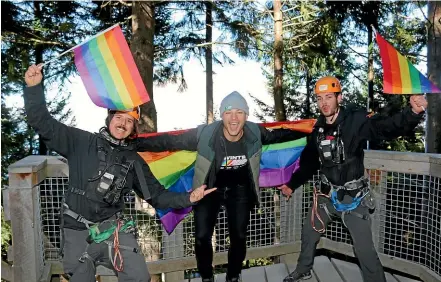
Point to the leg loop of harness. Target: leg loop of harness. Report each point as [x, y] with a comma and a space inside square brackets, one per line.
[362, 216]
[315, 212]
[122, 225]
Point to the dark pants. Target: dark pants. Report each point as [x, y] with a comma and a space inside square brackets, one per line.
[360, 230]
[134, 266]
[237, 202]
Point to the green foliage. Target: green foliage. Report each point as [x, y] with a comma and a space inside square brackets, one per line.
[6, 236]
[33, 32]
[327, 38]
[258, 262]
[180, 33]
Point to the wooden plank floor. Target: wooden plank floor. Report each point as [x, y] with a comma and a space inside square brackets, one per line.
[324, 270]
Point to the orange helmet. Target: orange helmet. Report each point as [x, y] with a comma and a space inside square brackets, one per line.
[134, 112]
[327, 84]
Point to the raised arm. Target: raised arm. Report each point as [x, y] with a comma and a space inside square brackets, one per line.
[57, 136]
[168, 142]
[385, 128]
[279, 135]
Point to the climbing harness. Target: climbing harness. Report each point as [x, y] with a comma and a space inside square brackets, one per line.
[118, 225]
[97, 236]
[360, 184]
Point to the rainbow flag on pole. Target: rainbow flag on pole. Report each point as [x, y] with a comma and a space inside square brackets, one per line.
[108, 71]
[175, 170]
[399, 75]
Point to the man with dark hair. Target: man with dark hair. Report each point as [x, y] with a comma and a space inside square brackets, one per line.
[103, 167]
[335, 148]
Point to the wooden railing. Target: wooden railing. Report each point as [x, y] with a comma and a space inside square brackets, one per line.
[35, 179]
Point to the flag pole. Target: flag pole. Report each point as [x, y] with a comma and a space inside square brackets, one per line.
[368, 98]
[67, 51]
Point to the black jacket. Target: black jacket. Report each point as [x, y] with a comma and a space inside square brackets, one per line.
[356, 128]
[189, 141]
[80, 149]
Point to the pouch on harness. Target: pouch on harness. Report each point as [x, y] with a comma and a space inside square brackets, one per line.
[360, 184]
[363, 196]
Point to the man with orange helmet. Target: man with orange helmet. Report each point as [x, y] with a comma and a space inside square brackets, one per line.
[335, 149]
[103, 168]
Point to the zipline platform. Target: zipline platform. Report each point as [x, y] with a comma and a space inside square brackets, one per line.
[325, 270]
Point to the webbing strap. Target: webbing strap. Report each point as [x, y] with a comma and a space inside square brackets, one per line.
[110, 244]
[76, 216]
[142, 182]
[99, 236]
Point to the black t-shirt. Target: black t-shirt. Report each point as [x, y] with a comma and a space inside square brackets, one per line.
[233, 170]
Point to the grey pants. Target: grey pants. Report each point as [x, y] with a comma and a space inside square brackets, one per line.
[135, 268]
[360, 230]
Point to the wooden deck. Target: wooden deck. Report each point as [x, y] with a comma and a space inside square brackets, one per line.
[325, 270]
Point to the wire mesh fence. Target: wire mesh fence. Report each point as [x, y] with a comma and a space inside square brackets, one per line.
[263, 229]
[409, 220]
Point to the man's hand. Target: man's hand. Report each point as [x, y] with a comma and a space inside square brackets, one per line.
[418, 103]
[33, 75]
[286, 191]
[199, 193]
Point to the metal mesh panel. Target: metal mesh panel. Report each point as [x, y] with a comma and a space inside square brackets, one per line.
[154, 242]
[51, 195]
[410, 217]
[409, 213]
[433, 238]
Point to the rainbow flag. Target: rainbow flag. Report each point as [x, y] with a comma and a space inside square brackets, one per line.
[108, 71]
[399, 75]
[175, 170]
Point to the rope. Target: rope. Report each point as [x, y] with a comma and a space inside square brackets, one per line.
[117, 254]
[315, 213]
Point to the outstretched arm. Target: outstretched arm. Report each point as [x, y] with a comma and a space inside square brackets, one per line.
[168, 142]
[57, 136]
[279, 135]
[161, 198]
[385, 128]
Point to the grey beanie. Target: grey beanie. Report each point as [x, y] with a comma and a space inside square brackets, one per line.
[233, 101]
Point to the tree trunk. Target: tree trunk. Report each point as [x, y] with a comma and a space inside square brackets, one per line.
[143, 28]
[308, 113]
[433, 121]
[42, 148]
[370, 103]
[279, 106]
[209, 60]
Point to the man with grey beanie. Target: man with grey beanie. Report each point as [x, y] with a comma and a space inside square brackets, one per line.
[228, 158]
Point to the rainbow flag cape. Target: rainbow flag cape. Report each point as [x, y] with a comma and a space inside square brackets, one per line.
[399, 75]
[108, 71]
[175, 170]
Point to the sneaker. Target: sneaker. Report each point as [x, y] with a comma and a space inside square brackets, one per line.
[296, 276]
[211, 279]
[233, 279]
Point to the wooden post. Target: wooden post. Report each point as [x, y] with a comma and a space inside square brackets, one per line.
[378, 181]
[291, 223]
[24, 177]
[174, 248]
